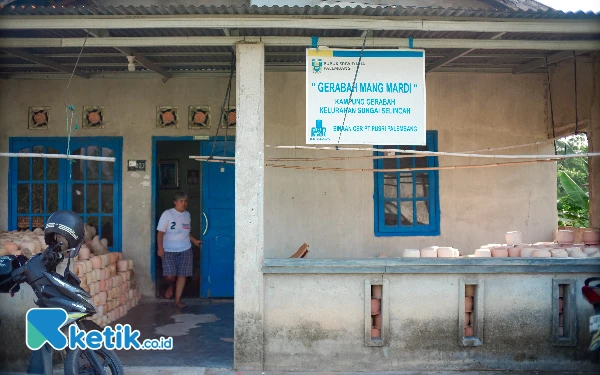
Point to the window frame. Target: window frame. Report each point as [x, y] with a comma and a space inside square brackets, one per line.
[433, 229]
[65, 182]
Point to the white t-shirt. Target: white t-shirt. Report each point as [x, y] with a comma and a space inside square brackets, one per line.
[176, 226]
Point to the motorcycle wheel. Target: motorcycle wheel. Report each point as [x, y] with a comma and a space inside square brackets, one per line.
[77, 363]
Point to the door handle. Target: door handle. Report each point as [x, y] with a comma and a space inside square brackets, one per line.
[206, 226]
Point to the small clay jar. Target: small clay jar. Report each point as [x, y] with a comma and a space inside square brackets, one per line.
[445, 252]
[428, 253]
[122, 265]
[499, 253]
[469, 332]
[565, 237]
[514, 252]
[468, 304]
[375, 333]
[591, 237]
[411, 253]
[375, 289]
[514, 238]
[84, 253]
[467, 319]
[377, 319]
[526, 252]
[469, 290]
[375, 306]
[483, 253]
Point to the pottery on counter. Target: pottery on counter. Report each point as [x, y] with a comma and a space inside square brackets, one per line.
[514, 238]
[469, 290]
[469, 332]
[499, 252]
[468, 304]
[375, 291]
[445, 252]
[411, 253]
[591, 237]
[565, 236]
[482, 253]
[541, 253]
[429, 252]
[559, 253]
[375, 306]
[514, 252]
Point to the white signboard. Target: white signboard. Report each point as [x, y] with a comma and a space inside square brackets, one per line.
[386, 105]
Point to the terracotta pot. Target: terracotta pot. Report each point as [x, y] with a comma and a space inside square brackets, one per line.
[559, 253]
[469, 332]
[375, 306]
[469, 290]
[375, 333]
[591, 250]
[499, 253]
[102, 284]
[561, 320]
[482, 253]
[565, 236]
[445, 252]
[514, 238]
[468, 304]
[578, 254]
[375, 289]
[428, 253]
[591, 236]
[411, 253]
[122, 266]
[514, 252]
[560, 304]
[377, 319]
[11, 247]
[84, 253]
[541, 253]
[467, 319]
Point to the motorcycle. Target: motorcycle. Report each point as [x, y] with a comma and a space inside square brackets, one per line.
[58, 291]
[591, 293]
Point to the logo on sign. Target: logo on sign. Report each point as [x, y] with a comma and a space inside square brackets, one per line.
[317, 65]
[319, 130]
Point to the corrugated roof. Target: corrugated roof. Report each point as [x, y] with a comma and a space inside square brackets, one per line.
[357, 11]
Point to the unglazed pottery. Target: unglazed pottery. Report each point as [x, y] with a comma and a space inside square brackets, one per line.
[514, 238]
[565, 236]
[411, 253]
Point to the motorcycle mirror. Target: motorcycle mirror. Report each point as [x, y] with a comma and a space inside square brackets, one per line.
[75, 252]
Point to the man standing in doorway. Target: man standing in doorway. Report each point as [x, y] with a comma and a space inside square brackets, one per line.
[174, 246]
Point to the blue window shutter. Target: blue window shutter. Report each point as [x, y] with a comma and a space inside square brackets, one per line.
[431, 229]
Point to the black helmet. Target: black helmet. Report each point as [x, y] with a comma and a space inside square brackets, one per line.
[66, 224]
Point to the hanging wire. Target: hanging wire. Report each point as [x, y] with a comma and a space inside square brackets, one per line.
[69, 123]
[225, 100]
[353, 86]
[575, 84]
[551, 107]
[229, 103]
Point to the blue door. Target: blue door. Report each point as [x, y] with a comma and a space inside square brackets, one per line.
[218, 221]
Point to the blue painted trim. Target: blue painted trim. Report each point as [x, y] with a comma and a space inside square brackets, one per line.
[368, 53]
[314, 41]
[433, 229]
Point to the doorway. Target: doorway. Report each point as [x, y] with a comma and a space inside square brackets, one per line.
[210, 187]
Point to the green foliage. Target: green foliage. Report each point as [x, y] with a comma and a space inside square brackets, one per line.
[572, 183]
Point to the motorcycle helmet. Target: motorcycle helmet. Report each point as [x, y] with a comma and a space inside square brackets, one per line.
[65, 226]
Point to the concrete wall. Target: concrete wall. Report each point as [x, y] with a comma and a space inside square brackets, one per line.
[331, 211]
[316, 322]
[130, 111]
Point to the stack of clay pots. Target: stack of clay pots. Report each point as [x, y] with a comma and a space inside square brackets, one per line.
[432, 252]
[26, 243]
[111, 282]
[564, 247]
[469, 315]
[376, 311]
[561, 316]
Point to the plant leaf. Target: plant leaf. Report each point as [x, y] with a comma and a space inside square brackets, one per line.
[575, 193]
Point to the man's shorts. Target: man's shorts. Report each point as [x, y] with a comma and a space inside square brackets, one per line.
[178, 263]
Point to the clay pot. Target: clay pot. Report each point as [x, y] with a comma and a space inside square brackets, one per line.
[577, 253]
[3, 251]
[560, 304]
[130, 264]
[11, 247]
[591, 237]
[559, 253]
[499, 253]
[482, 253]
[377, 319]
[411, 253]
[122, 265]
[565, 237]
[375, 306]
[469, 290]
[514, 238]
[514, 252]
[375, 333]
[96, 262]
[375, 289]
[84, 253]
[467, 319]
[541, 253]
[561, 320]
[428, 253]
[468, 304]
[469, 332]
[445, 252]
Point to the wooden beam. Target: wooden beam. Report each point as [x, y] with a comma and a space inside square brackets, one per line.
[44, 61]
